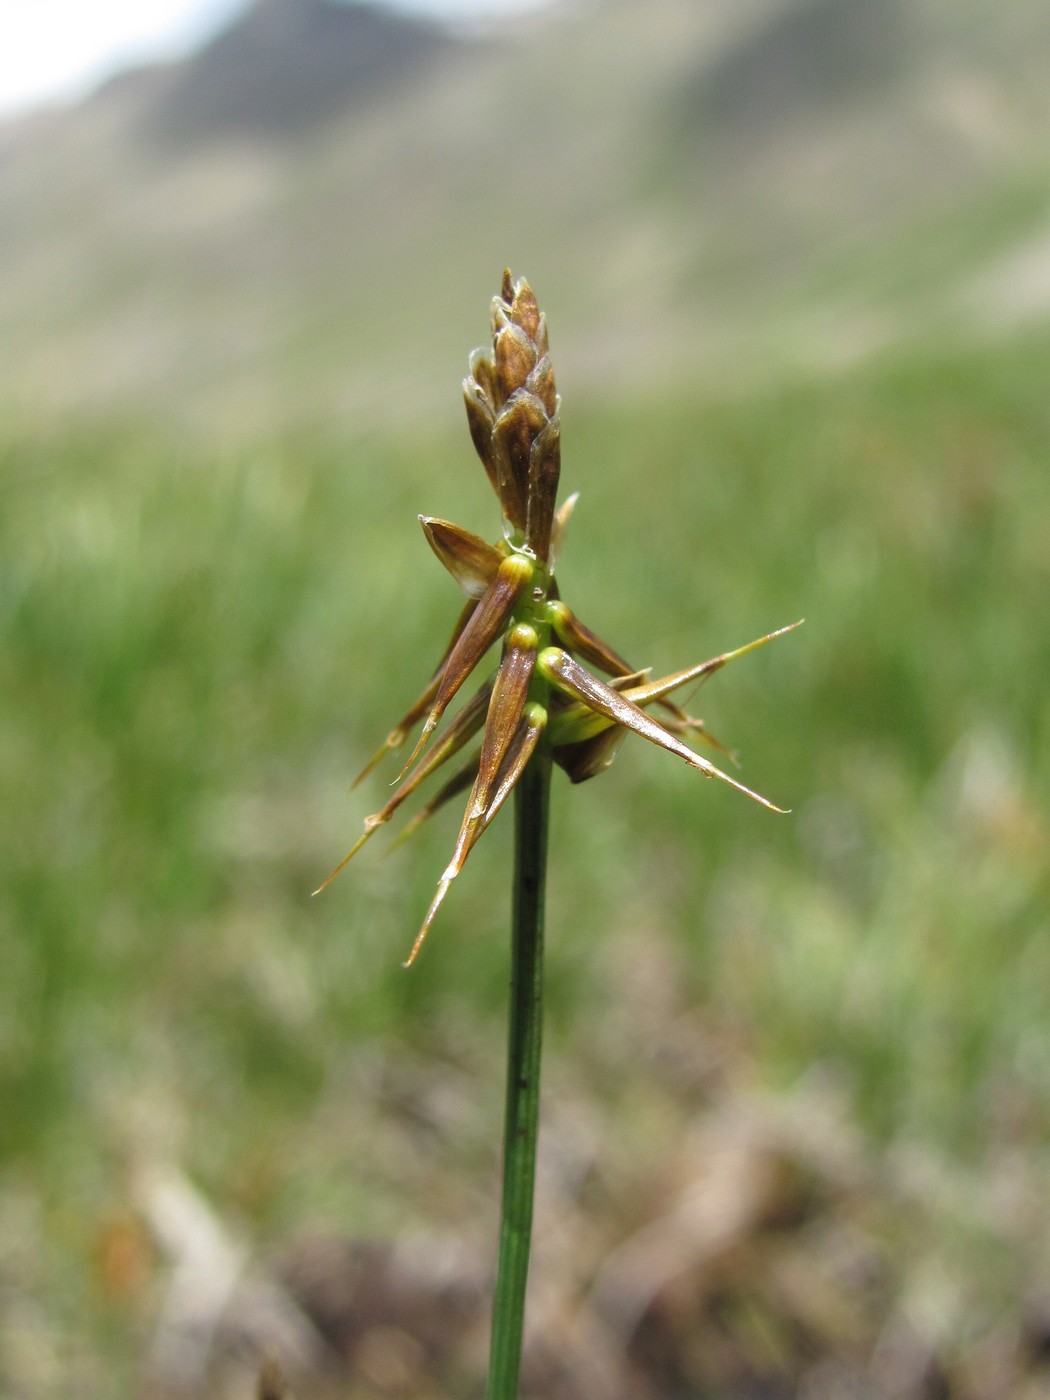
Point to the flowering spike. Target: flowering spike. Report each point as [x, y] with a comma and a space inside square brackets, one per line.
[513, 413]
[470, 560]
[571, 678]
[485, 625]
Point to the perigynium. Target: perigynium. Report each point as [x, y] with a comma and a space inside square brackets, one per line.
[542, 692]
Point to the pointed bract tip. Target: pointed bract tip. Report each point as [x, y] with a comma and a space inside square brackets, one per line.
[711, 770]
[755, 796]
[431, 914]
[370, 825]
[759, 642]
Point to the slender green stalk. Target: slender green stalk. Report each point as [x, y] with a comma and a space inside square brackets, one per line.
[531, 820]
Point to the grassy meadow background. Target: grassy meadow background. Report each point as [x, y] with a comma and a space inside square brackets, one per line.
[210, 619]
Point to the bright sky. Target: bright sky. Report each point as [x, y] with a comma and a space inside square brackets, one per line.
[56, 49]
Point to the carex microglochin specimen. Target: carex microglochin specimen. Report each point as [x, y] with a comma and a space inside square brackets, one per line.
[542, 692]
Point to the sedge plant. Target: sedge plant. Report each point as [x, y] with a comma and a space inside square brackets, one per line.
[543, 706]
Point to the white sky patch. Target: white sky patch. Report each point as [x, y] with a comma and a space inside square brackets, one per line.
[59, 49]
[463, 9]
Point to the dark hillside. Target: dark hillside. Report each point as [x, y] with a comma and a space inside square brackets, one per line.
[812, 54]
[287, 65]
[239, 240]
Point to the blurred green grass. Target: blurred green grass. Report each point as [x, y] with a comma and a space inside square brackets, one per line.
[199, 651]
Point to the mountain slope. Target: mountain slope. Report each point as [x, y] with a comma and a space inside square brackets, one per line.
[287, 65]
[301, 222]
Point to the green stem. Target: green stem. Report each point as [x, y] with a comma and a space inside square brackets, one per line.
[531, 819]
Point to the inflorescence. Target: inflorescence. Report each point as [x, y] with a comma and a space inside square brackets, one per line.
[541, 693]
